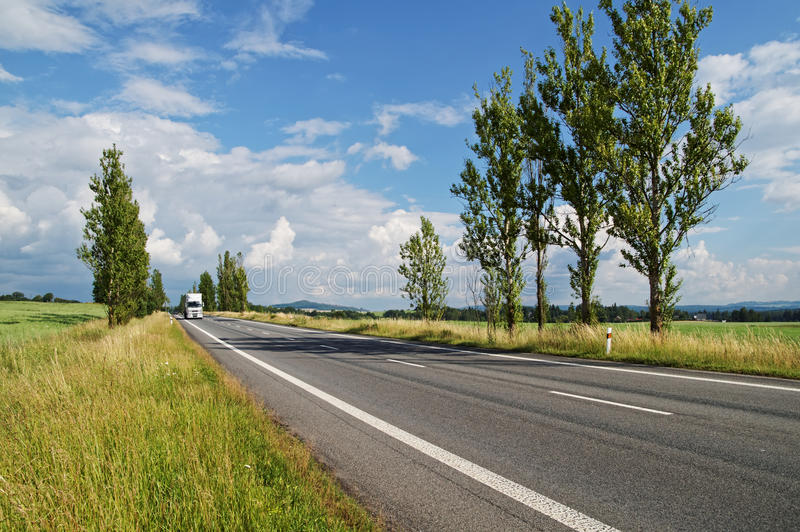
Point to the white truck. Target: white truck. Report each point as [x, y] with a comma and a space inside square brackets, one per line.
[193, 306]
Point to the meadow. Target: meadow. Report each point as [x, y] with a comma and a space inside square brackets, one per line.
[138, 428]
[24, 320]
[771, 349]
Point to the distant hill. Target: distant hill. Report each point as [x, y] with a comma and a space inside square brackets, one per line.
[313, 305]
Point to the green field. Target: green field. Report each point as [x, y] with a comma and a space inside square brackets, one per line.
[789, 330]
[137, 428]
[24, 320]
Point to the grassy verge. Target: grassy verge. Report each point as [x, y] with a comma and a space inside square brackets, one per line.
[137, 428]
[737, 350]
[24, 320]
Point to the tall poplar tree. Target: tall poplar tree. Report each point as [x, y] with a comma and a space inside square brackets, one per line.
[576, 92]
[232, 284]
[494, 214]
[675, 148]
[157, 297]
[114, 241]
[423, 267]
[206, 288]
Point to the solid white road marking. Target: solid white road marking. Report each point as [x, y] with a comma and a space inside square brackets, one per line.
[575, 364]
[623, 405]
[406, 363]
[542, 504]
[329, 347]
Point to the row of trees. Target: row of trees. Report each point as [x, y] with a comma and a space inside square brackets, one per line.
[631, 151]
[230, 292]
[46, 298]
[114, 246]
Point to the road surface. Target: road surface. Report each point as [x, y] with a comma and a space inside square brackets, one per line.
[440, 438]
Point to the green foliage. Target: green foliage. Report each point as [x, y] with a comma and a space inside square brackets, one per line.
[206, 288]
[232, 284]
[675, 149]
[157, 299]
[575, 89]
[114, 242]
[423, 268]
[494, 213]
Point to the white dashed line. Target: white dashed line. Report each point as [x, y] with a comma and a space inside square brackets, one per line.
[329, 347]
[406, 363]
[623, 405]
[560, 363]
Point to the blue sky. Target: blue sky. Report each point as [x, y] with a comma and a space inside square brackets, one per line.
[311, 137]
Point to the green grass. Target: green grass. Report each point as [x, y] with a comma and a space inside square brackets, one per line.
[24, 320]
[138, 428]
[755, 349]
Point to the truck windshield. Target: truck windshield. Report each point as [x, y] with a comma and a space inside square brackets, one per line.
[193, 304]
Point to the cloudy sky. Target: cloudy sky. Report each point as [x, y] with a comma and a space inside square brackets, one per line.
[312, 137]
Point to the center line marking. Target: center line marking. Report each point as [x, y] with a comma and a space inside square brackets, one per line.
[623, 405]
[406, 363]
[329, 347]
[532, 499]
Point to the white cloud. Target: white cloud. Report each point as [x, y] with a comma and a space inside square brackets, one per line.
[355, 148]
[722, 72]
[400, 156]
[154, 53]
[125, 12]
[152, 95]
[147, 205]
[163, 250]
[201, 239]
[387, 116]
[13, 221]
[69, 106]
[336, 76]
[8, 77]
[764, 87]
[264, 38]
[307, 131]
[40, 25]
[277, 250]
[711, 280]
[309, 174]
[401, 224]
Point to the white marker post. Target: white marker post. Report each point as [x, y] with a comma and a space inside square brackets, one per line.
[608, 341]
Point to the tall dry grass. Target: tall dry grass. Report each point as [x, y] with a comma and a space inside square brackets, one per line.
[137, 428]
[765, 354]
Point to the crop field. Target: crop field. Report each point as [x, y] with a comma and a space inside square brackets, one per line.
[137, 428]
[24, 320]
[771, 349]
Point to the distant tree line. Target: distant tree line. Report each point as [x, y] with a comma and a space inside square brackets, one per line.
[750, 315]
[230, 292]
[46, 298]
[605, 314]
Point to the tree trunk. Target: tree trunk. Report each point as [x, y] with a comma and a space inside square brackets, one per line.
[656, 315]
[586, 306]
[540, 288]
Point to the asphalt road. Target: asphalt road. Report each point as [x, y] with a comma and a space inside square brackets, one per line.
[438, 438]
